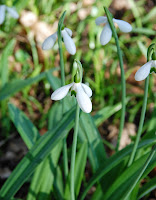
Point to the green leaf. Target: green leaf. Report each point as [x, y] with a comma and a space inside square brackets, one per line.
[80, 163]
[25, 127]
[147, 188]
[112, 162]
[106, 112]
[4, 61]
[88, 132]
[58, 189]
[110, 176]
[36, 155]
[126, 179]
[12, 87]
[20, 5]
[45, 175]
[54, 81]
[145, 31]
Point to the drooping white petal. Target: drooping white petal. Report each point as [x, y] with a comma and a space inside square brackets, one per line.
[49, 41]
[2, 13]
[87, 89]
[123, 26]
[69, 31]
[83, 100]
[12, 12]
[69, 44]
[144, 71]
[101, 20]
[61, 92]
[106, 34]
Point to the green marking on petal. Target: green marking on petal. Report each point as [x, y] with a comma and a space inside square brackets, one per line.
[73, 93]
[153, 69]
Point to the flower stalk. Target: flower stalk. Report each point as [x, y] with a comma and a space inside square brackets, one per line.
[123, 84]
[60, 24]
[73, 155]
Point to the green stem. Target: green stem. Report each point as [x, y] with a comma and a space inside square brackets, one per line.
[153, 151]
[140, 123]
[73, 155]
[65, 156]
[123, 83]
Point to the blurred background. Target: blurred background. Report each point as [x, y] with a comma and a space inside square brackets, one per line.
[22, 58]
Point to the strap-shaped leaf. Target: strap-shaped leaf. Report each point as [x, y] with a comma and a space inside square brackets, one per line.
[25, 127]
[120, 188]
[112, 162]
[147, 188]
[45, 174]
[36, 155]
[4, 61]
[80, 164]
[15, 86]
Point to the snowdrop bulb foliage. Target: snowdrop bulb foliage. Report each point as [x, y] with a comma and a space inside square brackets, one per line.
[83, 94]
[106, 33]
[144, 71]
[68, 41]
[11, 11]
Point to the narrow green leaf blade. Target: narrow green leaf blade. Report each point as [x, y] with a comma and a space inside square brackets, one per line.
[36, 155]
[112, 162]
[15, 86]
[25, 127]
[4, 61]
[147, 188]
[121, 187]
[80, 164]
[45, 175]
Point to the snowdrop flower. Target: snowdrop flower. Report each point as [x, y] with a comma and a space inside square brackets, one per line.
[66, 34]
[144, 71]
[106, 33]
[82, 91]
[11, 11]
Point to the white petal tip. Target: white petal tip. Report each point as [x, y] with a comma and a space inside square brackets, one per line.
[83, 100]
[12, 12]
[49, 42]
[61, 92]
[123, 25]
[106, 34]
[87, 109]
[144, 71]
[100, 20]
[69, 43]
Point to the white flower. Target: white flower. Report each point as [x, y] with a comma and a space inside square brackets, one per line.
[106, 33]
[66, 34]
[83, 94]
[11, 11]
[144, 71]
